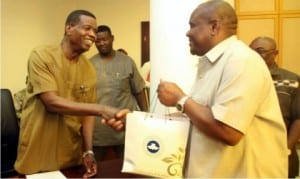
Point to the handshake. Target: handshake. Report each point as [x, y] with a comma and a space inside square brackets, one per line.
[115, 118]
[168, 94]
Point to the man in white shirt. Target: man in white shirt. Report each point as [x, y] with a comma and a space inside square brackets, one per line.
[237, 128]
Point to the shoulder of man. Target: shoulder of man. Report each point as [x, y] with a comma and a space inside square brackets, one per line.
[94, 57]
[124, 57]
[43, 48]
[42, 54]
[288, 72]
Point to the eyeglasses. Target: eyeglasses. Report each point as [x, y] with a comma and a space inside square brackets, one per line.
[262, 51]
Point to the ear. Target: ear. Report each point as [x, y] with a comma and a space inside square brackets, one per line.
[215, 27]
[275, 53]
[112, 37]
[68, 28]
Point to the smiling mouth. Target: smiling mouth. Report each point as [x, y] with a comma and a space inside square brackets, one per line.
[103, 48]
[89, 42]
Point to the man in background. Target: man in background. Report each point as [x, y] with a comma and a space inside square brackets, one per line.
[288, 92]
[58, 112]
[119, 84]
[123, 51]
[145, 72]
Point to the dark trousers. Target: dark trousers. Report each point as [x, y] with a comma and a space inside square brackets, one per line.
[108, 152]
[293, 164]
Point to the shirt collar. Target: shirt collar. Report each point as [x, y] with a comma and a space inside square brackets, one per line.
[213, 54]
[275, 71]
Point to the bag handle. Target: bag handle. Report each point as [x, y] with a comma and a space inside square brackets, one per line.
[154, 98]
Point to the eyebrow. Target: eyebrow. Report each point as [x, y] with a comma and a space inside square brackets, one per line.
[259, 48]
[263, 48]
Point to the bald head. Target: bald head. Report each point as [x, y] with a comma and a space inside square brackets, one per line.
[211, 23]
[266, 42]
[222, 12]
[266, 48]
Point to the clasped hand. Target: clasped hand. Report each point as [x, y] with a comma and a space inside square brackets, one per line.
[168, 93]
[118, 121]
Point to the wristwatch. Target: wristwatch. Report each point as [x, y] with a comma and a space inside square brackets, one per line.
[180, 104]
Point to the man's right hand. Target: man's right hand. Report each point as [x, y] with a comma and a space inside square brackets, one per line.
[118, 121]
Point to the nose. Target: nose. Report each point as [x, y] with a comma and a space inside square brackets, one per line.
[92, 33]
[101, 42]
[187, 33]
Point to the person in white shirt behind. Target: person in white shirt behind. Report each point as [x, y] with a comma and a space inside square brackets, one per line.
[145, 72]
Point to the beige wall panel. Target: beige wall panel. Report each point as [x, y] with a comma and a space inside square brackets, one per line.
[250, 28]
[30, 23]
[27, 24]
[290, 5]
[124, 20]
[245, 6]
[290, 43]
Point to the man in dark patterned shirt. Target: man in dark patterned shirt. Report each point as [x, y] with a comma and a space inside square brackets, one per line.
[288, 92]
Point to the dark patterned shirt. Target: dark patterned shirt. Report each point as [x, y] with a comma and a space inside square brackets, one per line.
[288, 91]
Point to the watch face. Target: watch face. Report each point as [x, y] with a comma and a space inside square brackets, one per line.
[179, 107]
[180, 104]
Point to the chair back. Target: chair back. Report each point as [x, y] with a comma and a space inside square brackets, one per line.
[9, 134]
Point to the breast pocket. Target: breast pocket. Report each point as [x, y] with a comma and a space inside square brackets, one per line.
[84, 92]
[121, 82]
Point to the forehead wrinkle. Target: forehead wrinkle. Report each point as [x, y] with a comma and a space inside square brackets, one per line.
[264, 42]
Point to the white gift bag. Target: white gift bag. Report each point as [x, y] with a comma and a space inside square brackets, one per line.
[155, 144]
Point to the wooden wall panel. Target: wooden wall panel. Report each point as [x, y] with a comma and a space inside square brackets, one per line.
[251, 27]
[279, 19]
[290, 42]
[290, 6]
[245, 7]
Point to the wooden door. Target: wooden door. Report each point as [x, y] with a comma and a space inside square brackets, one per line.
[145, 42]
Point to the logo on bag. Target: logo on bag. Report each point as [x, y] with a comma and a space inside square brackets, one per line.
[153, 146]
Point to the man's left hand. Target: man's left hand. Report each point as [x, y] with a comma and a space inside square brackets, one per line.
[90, 164]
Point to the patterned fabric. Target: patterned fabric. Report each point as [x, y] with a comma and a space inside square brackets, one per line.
[18, 101]
[118, 80]
[286, 83]
[288, 92]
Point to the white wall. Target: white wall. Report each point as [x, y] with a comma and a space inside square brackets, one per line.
[29, 23]
[170, 55]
